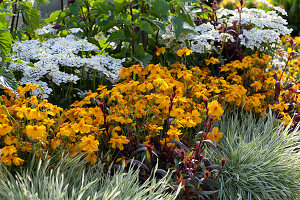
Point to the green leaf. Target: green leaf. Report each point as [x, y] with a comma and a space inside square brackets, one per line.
[74, 8]
[161, 7]
[144, 60]
[5, 12]
[186, 18]
[32, 17]
[116, 36]
[3, 21]
[177, 23]
[53, 16]
[118, 4]
[7, 80]
[146, 27]
[5, 41]
[159, 24]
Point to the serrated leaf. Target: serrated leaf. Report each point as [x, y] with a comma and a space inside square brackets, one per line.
[32, 17]
[7, 80]
[144, 60]
[116, 36]
[160, 7]
[118, 4]
[186, 18]
[74, 8]
[5, 12]
[146, 27]
[5, 41]
[159, 25]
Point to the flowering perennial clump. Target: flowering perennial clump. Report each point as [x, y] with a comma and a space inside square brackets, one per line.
[60, 60]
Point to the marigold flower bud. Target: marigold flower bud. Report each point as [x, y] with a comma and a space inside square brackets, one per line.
[223, 162]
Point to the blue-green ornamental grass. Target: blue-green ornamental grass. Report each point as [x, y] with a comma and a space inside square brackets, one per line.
[70, 179]
[262, 160]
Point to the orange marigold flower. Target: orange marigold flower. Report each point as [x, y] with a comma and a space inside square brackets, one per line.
[36, 132]
[118, 141]
[8, 150]
[88, 143]
[161, 50]
[212, 60]
[215, 135]
[214, 108]
[5, 128]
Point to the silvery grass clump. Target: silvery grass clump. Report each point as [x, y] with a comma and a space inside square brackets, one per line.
[261, 159]
[71, 179]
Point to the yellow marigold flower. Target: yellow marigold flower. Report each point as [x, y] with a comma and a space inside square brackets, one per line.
[55, 143]
[36, 132]
[215, 135]
[180, 52]
[185, 51]
[82, 127]
[162, 83]
[212, 60]
[3, 119]
[214, 108]
[118, 141]
[161, 50]
[64, 131]
[5, 128]
[281, 106]
[257, 85]
[91, 158]
[8, 160]
[54, 110]
[48, 121]
[26, 147]
[10, 140]
[88, 143]
[286, 118]
[8, 150]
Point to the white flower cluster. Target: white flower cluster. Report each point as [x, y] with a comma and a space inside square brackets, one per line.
[52, 59]
[265, 28]
[277, 8]
[254, 38]
[46, 30]
[201, 42]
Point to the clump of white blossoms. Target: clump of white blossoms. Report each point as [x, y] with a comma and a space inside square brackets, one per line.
[261, 29]
[264, 27]
[61, 60]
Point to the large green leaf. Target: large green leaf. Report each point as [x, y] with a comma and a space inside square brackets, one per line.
[116, 36]
[7, 80]
[144, 59]
[53, 16]
[145, 26]
[5, 41]
[160, 7]
[158, 24]
[32, 17]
